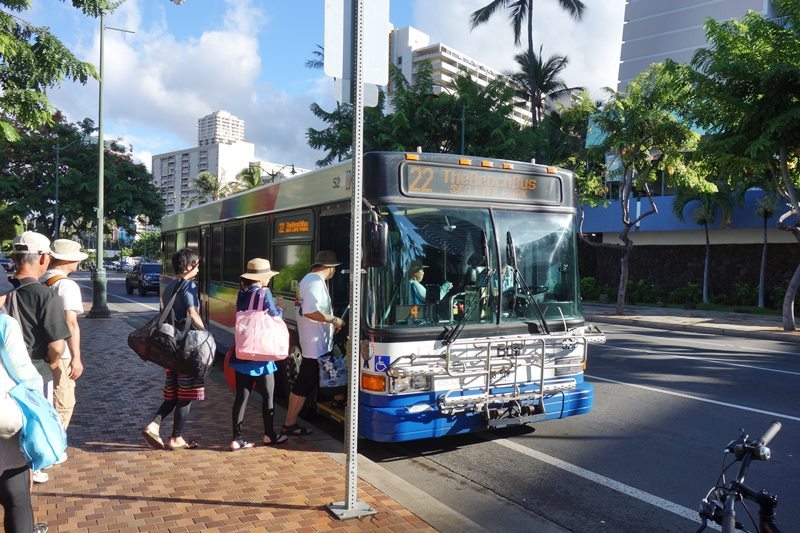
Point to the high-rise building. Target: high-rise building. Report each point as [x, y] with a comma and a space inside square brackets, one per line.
[656, 30]
[409, 47]
[220, 127]
[221, 150]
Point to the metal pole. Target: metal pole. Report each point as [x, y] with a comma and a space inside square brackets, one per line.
[99, 303]
[351, 507]
[58, 173]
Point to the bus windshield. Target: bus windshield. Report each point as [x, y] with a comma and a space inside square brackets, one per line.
[443, 268]
[544, 249]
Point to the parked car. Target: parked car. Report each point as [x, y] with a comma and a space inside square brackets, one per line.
[144, 277]
[7, 264]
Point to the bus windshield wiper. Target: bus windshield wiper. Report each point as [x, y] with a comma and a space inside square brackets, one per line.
[452, 334]
[519, 281]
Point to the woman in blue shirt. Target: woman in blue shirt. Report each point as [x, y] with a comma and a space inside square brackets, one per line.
[180, 390]
[258, 373]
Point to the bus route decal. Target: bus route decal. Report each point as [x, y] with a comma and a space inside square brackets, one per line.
[451, 181]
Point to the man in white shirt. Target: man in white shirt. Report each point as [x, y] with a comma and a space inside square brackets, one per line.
[65, 256]
[316, 325]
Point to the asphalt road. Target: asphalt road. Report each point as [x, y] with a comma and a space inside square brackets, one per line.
[666, 404]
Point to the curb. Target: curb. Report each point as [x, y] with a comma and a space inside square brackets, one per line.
[727, 331]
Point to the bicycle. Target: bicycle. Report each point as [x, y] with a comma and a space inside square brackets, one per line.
[719, 504]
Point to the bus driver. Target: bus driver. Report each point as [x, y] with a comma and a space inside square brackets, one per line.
[418, 291]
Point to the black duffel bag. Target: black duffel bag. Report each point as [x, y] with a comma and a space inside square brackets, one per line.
[176, 345]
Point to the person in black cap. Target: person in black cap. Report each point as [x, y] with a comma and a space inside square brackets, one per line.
[316, 325]
[418, 291]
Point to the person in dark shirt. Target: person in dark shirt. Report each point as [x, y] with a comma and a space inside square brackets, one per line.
[179, 389]
[38, 309]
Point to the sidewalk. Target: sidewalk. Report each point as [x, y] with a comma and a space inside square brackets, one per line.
[768, 327]
[113, 481]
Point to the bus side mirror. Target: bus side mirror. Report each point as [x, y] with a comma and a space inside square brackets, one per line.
[376, 240]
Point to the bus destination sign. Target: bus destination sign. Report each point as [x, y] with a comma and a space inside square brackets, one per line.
[295, 226]
[449, 181]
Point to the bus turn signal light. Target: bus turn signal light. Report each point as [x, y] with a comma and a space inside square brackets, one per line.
[373, 383]
[412, 157]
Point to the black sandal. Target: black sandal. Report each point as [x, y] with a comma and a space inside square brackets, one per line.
[296, 429]
[277, 439]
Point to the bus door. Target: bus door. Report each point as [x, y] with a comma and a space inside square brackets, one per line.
[334, 234]
[205, 270]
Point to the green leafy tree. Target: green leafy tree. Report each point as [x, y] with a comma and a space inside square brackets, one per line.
[147, 245]
[28, 181]
[746, 95]
[562, 140]
[547, 75]
[33, 60]
[519, 12]
[640, 128]
[718, 198]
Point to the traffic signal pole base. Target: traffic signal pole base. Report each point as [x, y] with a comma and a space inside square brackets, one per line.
[99, 307]
[340, 510]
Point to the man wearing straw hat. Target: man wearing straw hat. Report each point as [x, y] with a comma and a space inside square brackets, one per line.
[315, 327]
[65, 257]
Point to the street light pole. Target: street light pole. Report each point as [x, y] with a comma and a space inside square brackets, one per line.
[55, 210]
[99, 282]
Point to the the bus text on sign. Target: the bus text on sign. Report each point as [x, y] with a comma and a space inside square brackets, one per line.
[450, 181]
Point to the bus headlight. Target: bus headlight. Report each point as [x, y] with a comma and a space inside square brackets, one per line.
[416, 383]
[575, 366]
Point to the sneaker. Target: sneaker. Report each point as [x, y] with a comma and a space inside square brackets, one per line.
[40, 528]
[40, 477]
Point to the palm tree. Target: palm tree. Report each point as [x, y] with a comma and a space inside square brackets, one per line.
[548, 83]
[248, 178]
[710, 202]
[318, 61]
[519, 11]
[208, 186]
[767, 206]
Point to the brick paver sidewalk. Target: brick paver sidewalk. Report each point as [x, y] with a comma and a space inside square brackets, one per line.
[113, 481]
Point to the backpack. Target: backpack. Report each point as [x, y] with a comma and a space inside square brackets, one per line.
[258, 335]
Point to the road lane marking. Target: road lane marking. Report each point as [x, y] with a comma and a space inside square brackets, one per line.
[708, 360]
[646, 497]
[698, 398]
[699, 341]
[150, 307]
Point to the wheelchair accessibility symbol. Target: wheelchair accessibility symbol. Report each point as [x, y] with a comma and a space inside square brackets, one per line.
[382, 363]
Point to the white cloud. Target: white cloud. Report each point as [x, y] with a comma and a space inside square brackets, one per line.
[157, 83]
[592, 45]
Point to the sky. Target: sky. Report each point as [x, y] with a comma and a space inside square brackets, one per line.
[248, 57]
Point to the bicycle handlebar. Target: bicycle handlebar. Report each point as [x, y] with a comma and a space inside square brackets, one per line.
[770, 433]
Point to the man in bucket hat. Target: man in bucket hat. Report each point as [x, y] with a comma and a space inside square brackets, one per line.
[65, 256]
[38, 310]
[316, 325]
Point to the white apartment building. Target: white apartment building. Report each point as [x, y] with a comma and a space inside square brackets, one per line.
[174, 172]
[656, 30]
[409, 47]
[220, 127]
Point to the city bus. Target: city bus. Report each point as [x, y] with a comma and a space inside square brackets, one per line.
[498, 338]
